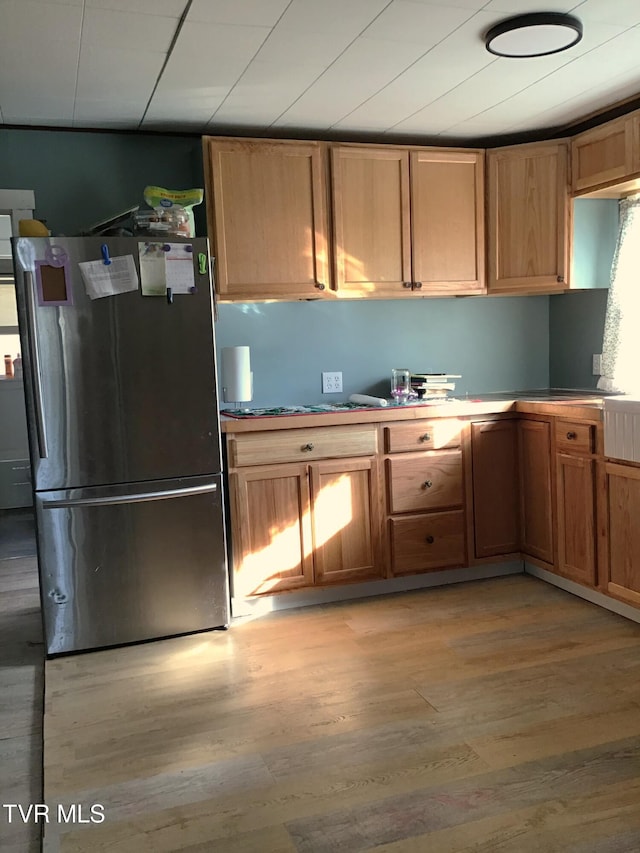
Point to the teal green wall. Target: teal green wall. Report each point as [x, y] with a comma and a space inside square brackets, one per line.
[497, 344]
[595, 230]
[576, 324]
[81, 178]
[576, 319]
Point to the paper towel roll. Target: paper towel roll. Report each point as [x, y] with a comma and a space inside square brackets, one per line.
[366, 400]
[237, 385]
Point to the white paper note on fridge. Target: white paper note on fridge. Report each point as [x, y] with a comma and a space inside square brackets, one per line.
[100, 279]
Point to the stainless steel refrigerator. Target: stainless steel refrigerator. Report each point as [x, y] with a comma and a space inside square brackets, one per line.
[124, 440]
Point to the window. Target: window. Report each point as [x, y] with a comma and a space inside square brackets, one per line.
[5, 236]
[9, 336]
[621, 345]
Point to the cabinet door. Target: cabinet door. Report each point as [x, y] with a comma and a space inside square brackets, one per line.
[447, 224]
[271, 529]
[623, 548]
[604, 155]
[494, 453]
[346, 520]
[576, 518]
[371, 220]
[536, 526]
[267, 217]
[529, 216]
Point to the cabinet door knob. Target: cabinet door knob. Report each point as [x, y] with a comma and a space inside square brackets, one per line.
[430, 540]
[560, 279]
[427, 484]
[320, 286]
[571, 436]
[417, 285]
[307, 447]
[407, 285]
[426, 437]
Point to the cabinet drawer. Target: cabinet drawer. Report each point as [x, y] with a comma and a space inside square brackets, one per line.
[424, 435]
[426, 542]
[430, 481]
[302, 445]
[573, 437]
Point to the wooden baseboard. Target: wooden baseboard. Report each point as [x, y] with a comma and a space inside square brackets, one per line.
[258, 605]
[585, 592]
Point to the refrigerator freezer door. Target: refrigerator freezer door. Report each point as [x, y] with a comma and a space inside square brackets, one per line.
[120, 389]
[123, 564]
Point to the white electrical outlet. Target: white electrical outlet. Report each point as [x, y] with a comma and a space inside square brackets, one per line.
[332, 382]
[597, 364]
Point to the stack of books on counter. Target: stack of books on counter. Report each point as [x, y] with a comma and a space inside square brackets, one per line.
[433, 386]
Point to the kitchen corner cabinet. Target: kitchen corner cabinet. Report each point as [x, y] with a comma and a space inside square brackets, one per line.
[606, 155]
[407, 221]
[529, 215]
[622, 533]
[266, 208]
[576, 506]
[313, 517]
[494, 455]
[536, 498]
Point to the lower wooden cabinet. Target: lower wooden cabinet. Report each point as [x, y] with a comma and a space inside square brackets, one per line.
[344, 518]
[622, 533]
[536, 500]
[576, 518]
[425, 497]
[297, 525]
[494, 455]
[454, 493]
[271, 533]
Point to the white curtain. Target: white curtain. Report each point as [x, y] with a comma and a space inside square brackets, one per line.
[621, 344]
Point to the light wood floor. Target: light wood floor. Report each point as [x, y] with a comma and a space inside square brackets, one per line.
[21, 697]
[501, 715]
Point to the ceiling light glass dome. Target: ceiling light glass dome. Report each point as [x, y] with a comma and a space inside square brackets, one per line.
[536, 34]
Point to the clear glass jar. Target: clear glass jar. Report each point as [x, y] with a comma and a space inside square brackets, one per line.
[400, 384]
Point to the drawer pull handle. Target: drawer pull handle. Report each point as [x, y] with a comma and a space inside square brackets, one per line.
[307, 447]
[426, 437]
[430, 540]
[427, 484]
[571, 436]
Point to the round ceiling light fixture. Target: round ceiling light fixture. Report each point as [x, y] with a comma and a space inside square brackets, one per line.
[534, 34]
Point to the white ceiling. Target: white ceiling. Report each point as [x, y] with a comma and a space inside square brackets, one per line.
[414, 67]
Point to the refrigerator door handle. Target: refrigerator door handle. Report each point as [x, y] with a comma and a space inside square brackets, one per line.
[34, 352]
[139, 497]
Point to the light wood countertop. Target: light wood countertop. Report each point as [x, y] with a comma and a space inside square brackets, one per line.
[586, 407]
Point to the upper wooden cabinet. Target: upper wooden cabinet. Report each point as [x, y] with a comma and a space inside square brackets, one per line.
[607, 155]
[529, 215]
[266, 206]
[407, 221]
